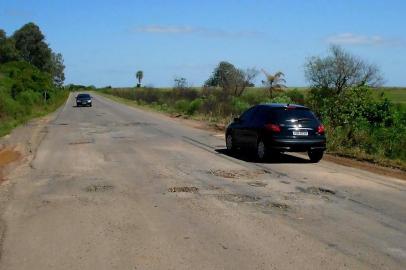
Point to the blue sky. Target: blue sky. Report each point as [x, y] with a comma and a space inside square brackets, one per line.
[106, 42]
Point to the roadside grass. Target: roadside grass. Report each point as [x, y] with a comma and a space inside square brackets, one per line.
[23, 91]
[163, 109]
[396, 95]
[9, 123]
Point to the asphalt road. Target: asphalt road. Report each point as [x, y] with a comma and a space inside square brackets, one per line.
[106, 191]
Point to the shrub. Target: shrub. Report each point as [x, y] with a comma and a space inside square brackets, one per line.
[194, 106]
[239, 106]
[281, 98]
[182, 106]
[296, 96]
[29, 98]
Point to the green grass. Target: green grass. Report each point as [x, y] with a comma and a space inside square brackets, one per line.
[22, 88]
[8, 124]
[394, 94]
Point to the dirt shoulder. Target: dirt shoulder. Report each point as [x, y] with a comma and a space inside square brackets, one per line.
[17, 150]
[19, 147]
[219, 128]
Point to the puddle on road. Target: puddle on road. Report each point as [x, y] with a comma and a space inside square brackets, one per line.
[236, 173]
[238, 198]
[184, 189]
[316, 190]
[98, 188]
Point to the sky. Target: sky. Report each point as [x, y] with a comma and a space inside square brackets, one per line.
[105, 42]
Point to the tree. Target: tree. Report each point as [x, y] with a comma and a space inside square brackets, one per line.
[139, 75]
[274, 82]
[30, 42]
[180, 83]
[233, 81]
[58, 68]
[8, 51]
[341, 70]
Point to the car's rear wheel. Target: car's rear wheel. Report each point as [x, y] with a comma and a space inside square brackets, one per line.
[315, 156]
[230, 143]
[261, 150]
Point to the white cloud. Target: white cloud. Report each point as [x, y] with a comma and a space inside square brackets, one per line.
[354, 39]
[201, 31]
[159, 29]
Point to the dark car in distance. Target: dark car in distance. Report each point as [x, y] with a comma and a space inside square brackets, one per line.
[270, 129]
[83, 100]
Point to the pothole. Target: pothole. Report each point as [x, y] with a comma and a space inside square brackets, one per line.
[271, 204]
[257, 184]
[98, 188]
[316, 190]
[81, 142]
[183, 189]
[238, 198]
[236, 173]
[137, 124]
[121, 137]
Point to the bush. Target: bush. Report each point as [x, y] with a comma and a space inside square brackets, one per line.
[360, 124]
[22, 88]
[296, 96]
[239, 106]
[281, 98]
[194, 106]
[182, 106]
[29, 98]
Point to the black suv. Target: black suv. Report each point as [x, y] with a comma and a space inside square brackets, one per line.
[276, 128]
[84, 100]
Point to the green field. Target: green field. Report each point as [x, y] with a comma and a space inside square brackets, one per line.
[395, 94]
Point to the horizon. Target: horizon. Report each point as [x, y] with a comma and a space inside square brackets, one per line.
[108, 46]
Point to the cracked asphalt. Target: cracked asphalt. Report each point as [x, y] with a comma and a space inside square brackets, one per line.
[114, 187]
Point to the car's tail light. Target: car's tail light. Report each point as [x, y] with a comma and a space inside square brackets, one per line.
[273, 127]
[320, 129]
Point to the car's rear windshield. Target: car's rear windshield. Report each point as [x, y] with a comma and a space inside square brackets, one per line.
[83, 96]
[283, 115]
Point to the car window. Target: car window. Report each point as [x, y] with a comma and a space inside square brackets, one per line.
[247, 115]
[83, 96]
[292, 115]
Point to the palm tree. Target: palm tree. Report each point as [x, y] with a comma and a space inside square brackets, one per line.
[140, 76]
[274, 81]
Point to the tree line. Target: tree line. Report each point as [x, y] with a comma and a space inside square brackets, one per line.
[31, 77]
[28, 44]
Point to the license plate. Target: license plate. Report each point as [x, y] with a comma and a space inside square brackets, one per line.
[300, 133]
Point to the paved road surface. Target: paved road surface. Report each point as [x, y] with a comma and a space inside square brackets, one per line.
[98, 196]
